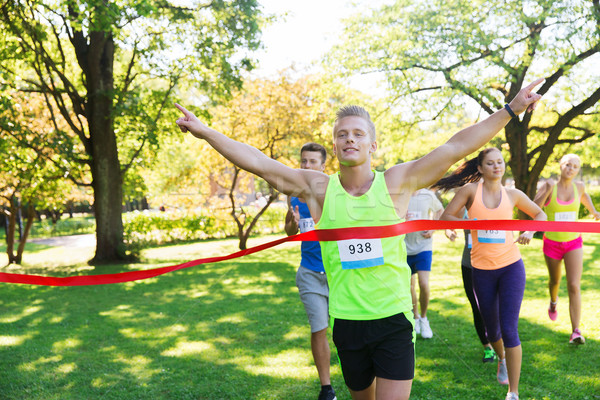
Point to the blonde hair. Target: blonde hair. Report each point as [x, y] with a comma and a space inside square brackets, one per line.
[355, 111]
[569, 156]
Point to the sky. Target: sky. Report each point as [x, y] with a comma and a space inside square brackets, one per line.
[308, 30]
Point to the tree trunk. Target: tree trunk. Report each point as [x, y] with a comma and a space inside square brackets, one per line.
[105, 168]
[243, 242]
[21, 248]
[516, 136]
[10, 233]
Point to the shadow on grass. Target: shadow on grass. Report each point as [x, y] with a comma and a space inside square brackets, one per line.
[226, 330]
[237, 330]
[29, 247]
[449, 366]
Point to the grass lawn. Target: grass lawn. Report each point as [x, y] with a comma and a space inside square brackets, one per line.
[237, 330]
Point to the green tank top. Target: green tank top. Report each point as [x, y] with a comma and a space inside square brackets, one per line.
[558, 211]
[368, 278]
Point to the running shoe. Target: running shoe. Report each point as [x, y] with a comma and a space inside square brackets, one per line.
[327, 394]
[577, 337]
[552, 312]
[426, 332]
[489, 355]
[418, 326]
[502, 372]
[512, 396]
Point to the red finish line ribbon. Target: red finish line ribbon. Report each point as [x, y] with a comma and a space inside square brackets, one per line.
[323, 235]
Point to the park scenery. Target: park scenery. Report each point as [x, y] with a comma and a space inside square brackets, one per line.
[98, 181]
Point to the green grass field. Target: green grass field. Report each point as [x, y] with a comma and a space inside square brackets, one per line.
[237, 330]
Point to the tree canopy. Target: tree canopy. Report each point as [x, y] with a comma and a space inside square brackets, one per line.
[444, 61]
[107, 68]
[30, 172]
[277, 116]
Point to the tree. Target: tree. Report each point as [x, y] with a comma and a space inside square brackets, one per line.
[276, 116]
[29, 178]
[109, 67]
[440, 58]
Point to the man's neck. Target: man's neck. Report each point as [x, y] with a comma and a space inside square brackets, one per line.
[356, 180]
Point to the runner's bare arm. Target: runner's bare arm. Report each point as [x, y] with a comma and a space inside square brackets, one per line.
[455, 209]
[542, 195]
[291, 219]
[525, 204]
[587, 202]
[429, 169]
[296, 182]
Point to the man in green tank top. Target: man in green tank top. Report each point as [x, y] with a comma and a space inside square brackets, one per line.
[369, 280]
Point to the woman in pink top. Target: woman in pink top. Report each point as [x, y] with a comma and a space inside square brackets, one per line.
[498, 271]
[562, 201]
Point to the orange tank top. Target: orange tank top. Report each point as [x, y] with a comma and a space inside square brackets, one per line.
[492, 249]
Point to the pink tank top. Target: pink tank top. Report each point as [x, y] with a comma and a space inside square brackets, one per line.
[492, 249]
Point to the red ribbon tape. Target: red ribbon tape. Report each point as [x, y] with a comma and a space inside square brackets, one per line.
[323, 235]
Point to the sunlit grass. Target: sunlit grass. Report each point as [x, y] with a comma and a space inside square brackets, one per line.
[237, 330]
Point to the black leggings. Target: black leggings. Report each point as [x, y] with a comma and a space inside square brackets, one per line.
[467, 275]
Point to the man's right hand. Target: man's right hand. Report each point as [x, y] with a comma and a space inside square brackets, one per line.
[190, 123]
[525, 99]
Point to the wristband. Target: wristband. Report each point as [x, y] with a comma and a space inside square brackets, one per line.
[510, 111]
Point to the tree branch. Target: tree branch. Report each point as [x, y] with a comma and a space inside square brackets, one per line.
[172, 84]
[551, 80]
[563, 122]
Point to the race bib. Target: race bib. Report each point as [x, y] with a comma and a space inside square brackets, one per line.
[565, 216]
[306, 225]
[491, 236]
[412, 215]
[360, 253]
[469, 240]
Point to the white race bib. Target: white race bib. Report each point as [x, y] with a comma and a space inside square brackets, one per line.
[491, 236]
[360, 253]
[565, 216]
[306, 225]
[469, 240]
[412, 215]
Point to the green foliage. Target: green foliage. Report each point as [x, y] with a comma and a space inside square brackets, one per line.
[449, 64]
[108, 70]
[63, 227]
[143, 229]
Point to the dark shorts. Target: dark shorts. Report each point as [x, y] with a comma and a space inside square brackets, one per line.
[381, 347]
[420, 261]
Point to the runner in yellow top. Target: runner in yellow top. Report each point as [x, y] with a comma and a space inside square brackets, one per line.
[368, 372]
[561, 201]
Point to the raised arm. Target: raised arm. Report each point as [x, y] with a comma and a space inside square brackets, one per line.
[297, 182]
[429, 169]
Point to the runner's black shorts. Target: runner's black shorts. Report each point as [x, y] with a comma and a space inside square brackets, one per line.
[381, 347]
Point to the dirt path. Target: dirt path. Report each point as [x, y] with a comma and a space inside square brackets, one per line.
[73, 241]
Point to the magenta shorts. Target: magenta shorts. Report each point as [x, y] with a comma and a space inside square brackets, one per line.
[557, 250]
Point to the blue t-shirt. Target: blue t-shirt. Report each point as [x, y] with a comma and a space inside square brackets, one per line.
[311, 251]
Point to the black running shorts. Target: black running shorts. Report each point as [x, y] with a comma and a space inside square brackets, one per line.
[381, 347]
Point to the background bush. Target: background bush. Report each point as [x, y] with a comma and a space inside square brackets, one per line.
[151, 228]
[65, 226]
